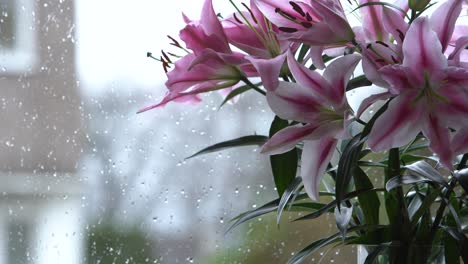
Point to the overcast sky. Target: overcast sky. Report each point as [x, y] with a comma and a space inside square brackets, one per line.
[113, 37]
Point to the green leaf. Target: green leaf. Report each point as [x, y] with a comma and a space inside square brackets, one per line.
[302, 52]
[462, 177]
[283, 166]
[264, 209]
[287, 194]
[346, 165]
[332, 204]
[314, 246]
[374, 235]
[426, 204]
[424, 169]
[301, 255]
[368, 202]
[367, 129]
[403, 180]
[357, 82]
[236, 92]
[372, 257]
[254, 140]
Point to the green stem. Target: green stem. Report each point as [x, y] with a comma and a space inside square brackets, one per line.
[396, 210]
[249, 83]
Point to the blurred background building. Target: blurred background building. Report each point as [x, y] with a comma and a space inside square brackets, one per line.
[41, 135]
[86, 180]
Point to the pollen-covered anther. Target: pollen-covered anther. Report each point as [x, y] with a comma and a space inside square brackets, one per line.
[284, 14]
[174, 42]
[306, 24]
[297, 8]
[287, 29]
[400, 34]
[237, 19]
[382, 43]
[251, 13]
[166, 57]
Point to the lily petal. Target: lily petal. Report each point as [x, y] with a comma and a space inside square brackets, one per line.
[366, 103]
[338, 74]
[316, 155]
[372, 21]
[397, 126]
[307, 78]
[443, 20]
[291, 101]
[394, 23]
[439, 138]
[286, 139]
[422, 50]
[269, 70]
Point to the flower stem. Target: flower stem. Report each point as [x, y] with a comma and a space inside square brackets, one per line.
[253, 86]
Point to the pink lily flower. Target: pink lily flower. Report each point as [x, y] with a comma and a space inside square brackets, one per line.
[381, 53]
[253, 33]
[320, 103]
[211, 66]
[430, 97]
[321, 24]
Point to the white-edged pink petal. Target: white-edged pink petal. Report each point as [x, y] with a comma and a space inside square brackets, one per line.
[269, 70]
[460, 46]
[366, 103]
[312, 80]
[394, 23]
[398, 125]
[372, 21]
[422, 50]
[286, 139]
[316, 155]
[291, 101]
[337, 74]
[439, 137]
[443, 20]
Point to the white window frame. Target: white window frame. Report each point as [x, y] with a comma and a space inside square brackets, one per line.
[23, 56]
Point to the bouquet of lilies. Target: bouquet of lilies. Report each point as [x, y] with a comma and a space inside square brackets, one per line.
[304, 57]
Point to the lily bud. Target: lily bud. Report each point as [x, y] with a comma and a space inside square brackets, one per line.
[418, 5]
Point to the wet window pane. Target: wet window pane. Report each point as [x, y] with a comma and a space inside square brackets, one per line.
[87, 180]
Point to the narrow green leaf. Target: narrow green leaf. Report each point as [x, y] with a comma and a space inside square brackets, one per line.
[462, 177]
[332, 204]
[430, 198]
[254, 140]
[357, 82]
[424, 169]
[236, 92]
[367, 129]
[302, 52]
[368, 202]
[283, 166]
[314, 246]
[346, 165]
[301, 255]
[262, 210]
[403, 180]
[287, 194]
[372, 257]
